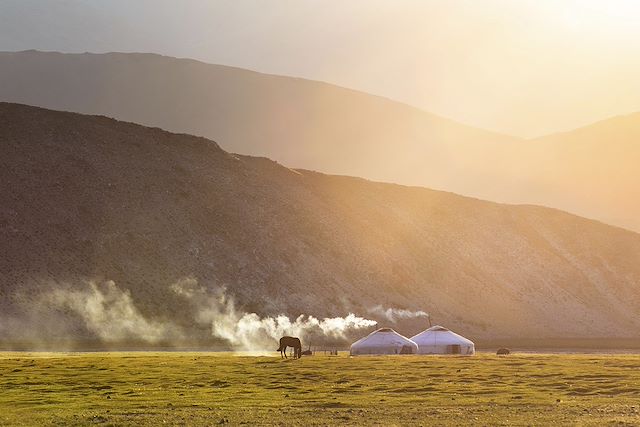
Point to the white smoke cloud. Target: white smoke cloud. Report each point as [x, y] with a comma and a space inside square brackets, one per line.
[249, 331]
[110, 313]
[394, 314]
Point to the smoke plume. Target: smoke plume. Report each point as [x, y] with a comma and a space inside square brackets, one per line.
[394, 314]
[249, 331]
[69, 315]
[109, 313]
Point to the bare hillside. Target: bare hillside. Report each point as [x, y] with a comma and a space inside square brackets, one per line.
[300, 123]
[592, 170]
[297, 122]
[87, 198]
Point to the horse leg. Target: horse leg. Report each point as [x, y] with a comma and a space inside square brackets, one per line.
[285, 352]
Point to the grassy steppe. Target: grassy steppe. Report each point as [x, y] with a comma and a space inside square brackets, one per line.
[221, 388]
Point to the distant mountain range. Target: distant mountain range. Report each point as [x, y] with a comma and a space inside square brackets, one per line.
[300, 123]
[88, 198]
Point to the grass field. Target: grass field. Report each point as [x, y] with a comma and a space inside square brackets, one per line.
[221, 388]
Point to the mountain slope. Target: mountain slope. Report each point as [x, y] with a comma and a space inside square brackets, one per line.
[592, 169]
[319, 126]
[297, 122]
[90, 198]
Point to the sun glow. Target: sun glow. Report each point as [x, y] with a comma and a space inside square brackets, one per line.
[601, 18]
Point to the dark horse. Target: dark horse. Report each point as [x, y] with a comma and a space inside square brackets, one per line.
[290, 342]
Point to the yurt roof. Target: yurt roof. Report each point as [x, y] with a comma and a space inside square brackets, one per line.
[383, 336]
[441, 334]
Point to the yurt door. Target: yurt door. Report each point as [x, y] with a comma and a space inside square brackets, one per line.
[453, 349]
[406, 349]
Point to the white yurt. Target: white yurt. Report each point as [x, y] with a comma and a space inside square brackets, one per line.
[439, 340]
[384, 341]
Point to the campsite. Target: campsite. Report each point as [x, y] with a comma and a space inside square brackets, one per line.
[319, 213]
[434, 340]
[178, 388]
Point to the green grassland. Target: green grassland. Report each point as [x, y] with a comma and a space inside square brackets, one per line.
[221, 388]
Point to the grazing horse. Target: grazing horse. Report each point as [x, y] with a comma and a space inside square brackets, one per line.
[290, 342]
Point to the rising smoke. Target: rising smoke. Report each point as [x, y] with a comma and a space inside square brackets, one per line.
[395, 314]
[110, 313]
[249, 331]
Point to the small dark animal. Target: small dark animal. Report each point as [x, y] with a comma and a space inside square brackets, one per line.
[290, 342]
[308, 351]
[503, 351]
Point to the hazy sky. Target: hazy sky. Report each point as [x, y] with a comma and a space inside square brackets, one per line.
[524, 67]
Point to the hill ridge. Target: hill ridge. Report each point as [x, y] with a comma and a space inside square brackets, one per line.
[90, 200]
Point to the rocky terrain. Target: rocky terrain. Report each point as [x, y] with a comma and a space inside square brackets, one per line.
[86, 200]
[313, 125]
